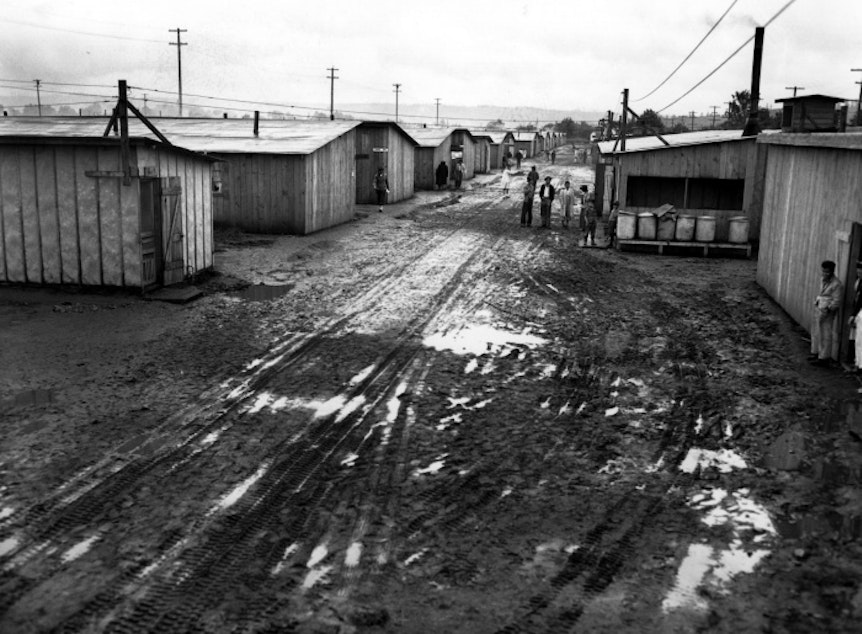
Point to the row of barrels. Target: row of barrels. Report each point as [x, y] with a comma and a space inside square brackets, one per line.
[681, 228]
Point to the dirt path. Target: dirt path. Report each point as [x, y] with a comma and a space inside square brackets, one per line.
[443, 422]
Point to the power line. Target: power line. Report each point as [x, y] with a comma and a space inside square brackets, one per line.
[687, 57]
[730, 57]
[56, 28]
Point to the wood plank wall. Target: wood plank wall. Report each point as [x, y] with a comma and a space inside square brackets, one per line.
[732, 160]
[262, 193]
[398, 163]
[59, 225]
[331, 178]
[195, 204]
[812, 198]
[426, 162]
[482, 156]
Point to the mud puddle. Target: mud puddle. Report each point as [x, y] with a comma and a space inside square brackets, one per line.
[263, 292]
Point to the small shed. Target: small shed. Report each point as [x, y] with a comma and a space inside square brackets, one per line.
[809, 113]
[526, 143]
[502, 143]
[717, 173]
[482, 153]
[384, 144]
[440, 144]
[293, 177]
[811, 212]
[69, 215]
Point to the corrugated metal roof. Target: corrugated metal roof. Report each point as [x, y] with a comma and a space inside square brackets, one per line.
[229, 136]
[639, 144]
[524, 136]
[431, 136]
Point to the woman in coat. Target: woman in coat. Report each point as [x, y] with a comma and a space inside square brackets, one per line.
[442, 175]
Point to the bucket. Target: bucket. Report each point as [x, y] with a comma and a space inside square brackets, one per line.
[646, 226]
[626, 225]
[705, 231]
[666, 227]
[738, 230]
[685, 228]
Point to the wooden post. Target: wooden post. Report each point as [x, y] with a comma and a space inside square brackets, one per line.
[752, 126]
[624, 120]
[125, 150]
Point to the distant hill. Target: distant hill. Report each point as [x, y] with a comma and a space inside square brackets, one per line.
[474, 116]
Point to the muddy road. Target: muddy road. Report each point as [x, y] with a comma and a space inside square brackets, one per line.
[439, 422]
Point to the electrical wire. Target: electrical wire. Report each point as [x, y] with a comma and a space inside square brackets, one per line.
[687, 57]
[731, 56]
[77, 32]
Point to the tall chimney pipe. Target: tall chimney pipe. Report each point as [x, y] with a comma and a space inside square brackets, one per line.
[752, 126]
[256, 121]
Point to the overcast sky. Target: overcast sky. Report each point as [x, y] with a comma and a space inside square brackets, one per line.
[562, 54]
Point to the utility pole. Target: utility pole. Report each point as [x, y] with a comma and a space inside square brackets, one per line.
[38, 96]
[794, 89]
[714, 109]
[752, 125]
[332, 79]
[858, 103]
[625, 119]
[691, 114]
[179, 44]
[396, 91]
[437, 117]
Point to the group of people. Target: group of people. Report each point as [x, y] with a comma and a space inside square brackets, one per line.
[441, 175]
[570, 200]
[827, 308]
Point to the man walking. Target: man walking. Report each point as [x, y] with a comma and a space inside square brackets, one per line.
[590, 218]
[518, 156]
[459, 173]
[546, 196]
[826, 306]
[381, 188]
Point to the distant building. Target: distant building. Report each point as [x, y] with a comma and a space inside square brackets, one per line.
[448, 145]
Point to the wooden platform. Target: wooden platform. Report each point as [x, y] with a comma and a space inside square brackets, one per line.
[687, 248]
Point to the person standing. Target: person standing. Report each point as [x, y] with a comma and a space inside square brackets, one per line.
[518, 157]
[459, 173]
[553, 156]
[826, 306]
[546, 197]
[527, 205]
[506, 180]
[567, 201]
[590, 218]
[855, 321]
[612, 223]
[381, 188]
[441, 175]
[533, 177]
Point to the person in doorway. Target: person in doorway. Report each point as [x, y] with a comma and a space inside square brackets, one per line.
[855, 321]
[458, 173]
[441, 175]
[567, 201]
[533, 177]
[546, 198]
[826, 306]
[519, 156]
[506, 180]
[612, 223]
[381, 188]
[553, 156]
[527, 206]
[590, 219]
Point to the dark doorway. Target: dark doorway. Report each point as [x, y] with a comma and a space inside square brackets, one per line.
[152, 258]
